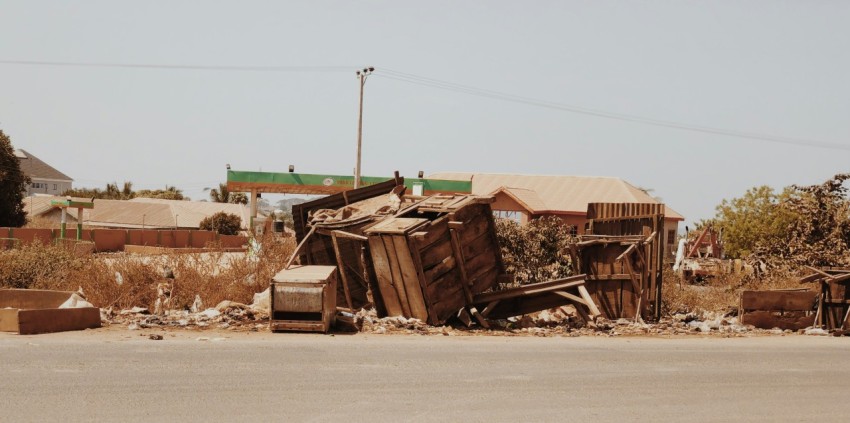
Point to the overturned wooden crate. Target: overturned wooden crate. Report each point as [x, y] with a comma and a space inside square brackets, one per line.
[32, 311]
[433, 258]
[342, 242]
[833, 306]
[303, 298]
[783, 309]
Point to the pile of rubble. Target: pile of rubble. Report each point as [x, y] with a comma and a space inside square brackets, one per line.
[226, 315]
[564, 322]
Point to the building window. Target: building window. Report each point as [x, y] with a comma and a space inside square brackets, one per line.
[508, 214]
[573, 230]
[54, 187]
[671, 236]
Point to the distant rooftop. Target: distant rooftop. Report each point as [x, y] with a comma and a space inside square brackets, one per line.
[557, 193]
[35, 168]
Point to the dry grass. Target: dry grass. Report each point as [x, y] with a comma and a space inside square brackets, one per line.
[210, 275]
[719, 294]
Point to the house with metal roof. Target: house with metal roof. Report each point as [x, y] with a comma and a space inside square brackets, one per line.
[45, 179]
[526, 197]
[138, 213]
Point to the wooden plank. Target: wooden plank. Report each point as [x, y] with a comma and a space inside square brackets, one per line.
[383, 274]
[343, 274]
[57, 320]
[524, 290]
[480, 245]
[768, 320]
[778, 300]
[435, 231]
[410, 278]
[480, 263]
[485, 279]
[439, 270]
[464, 278]
[443, 288]
[435, 253]
[588, 300]
[423, 281]
[397, 278]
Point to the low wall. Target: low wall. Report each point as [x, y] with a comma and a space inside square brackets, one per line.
[118, 239]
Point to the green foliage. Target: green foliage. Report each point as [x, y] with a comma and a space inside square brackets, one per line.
[754, 220]
[802, 225]
[535, 252]
[223, 223]
[110, 193]
[223, 195]
[169, 193]
[13, 183]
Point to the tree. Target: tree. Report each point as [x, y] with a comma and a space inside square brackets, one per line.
[13, 183]
[110, 193]
[802, 225]
[169, 193]
[536, 252]
[223, 223]
[223, 195]
[754, 221]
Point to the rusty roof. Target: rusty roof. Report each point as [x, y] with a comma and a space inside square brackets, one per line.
[557, 193]
[148, 212]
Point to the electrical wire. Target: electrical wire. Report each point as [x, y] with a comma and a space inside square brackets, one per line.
[480, 92]
[463, 89]
[185, 67]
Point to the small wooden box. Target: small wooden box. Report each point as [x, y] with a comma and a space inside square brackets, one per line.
[303, 298]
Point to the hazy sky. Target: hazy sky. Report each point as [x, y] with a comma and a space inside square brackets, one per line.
[778, 68]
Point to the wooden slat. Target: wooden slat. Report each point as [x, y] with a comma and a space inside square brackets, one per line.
[342, 273]
[778, 300]
[397, 277]
[435, 253]
[383, 274]
[410, 277]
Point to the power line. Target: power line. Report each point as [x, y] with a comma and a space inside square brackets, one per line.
[480, 92]
[183, 67]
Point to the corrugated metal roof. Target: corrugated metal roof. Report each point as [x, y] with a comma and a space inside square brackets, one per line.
[570, 194]
[147, 212]
[526, 197]
[35, 168]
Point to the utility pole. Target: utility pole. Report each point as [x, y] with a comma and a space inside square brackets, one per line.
[361, 76]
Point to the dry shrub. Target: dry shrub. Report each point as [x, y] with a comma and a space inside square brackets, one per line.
[30, 264]
[125, 280]
[718, 294]
[39, 222]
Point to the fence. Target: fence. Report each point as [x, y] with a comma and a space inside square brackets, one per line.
[106, 240]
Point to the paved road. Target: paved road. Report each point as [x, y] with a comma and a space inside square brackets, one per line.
[120, 376]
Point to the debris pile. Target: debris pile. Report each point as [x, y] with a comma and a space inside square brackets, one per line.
[226, 315]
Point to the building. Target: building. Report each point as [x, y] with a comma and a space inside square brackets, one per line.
[138, 213]
[526, 197]
[45, 179]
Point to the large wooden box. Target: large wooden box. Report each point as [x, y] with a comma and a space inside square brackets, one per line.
[32, 311]
[430, 262]
[303, 298]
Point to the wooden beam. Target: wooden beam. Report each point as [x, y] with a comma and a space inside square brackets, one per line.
[589, 301]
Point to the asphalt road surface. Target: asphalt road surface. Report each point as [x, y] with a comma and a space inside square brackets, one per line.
[111, 375]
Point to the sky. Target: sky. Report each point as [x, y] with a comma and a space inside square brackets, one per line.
[474, 86]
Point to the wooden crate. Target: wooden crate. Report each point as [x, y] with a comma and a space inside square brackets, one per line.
[432, 260]
[781, 309]
[32, 311]
[303, 298]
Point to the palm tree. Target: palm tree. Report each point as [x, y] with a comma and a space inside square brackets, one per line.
[223, 195]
